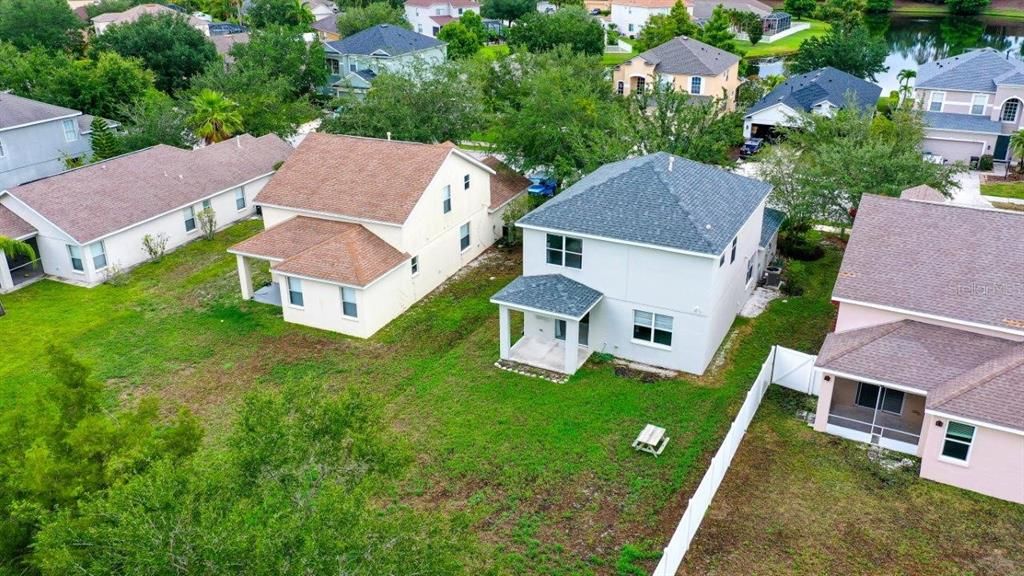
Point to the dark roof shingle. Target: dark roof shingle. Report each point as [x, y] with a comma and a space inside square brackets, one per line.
[552, 293]
[683, 55]
[17, 111]
[973, 71]
[961, 122]
[392, 40]
[803, 91]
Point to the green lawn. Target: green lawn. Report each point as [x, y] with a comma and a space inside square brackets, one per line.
[942, 10]
[493, 51]
[610, 59]
[798, 502]
[541, 473]
[1003, 189]
[785, 46]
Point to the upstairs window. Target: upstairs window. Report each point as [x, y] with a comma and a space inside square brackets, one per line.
[465, 182]
[935, 105]
[695, 85]
[1010, 110]
[99, 255]
[70, 130]
[75, 252]
[732, 257]
[348, 302]
[978, 102]
[446, 199]
[207, 205]
[565, 251]
[334, 66]
[190, 219]
[414, 265]
[651, 327]
[959, 438]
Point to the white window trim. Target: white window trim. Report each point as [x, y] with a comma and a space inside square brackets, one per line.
[931, 100]
[970, 447]
[192, 216]
[288, 293]
[469, 236]
[563, 250]
[1016, 115]
[74, 130]
[71, 259]
[245, 201]
[341, 290]
[414, 266]
[700, 84]
[654, 321]
[446, 199]
[984, 103]
[93, 256]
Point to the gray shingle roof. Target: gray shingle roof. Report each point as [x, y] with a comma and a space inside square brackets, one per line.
[393, 40]
[552, 293]
[961, 122]
[946, 260]
[16, 111]
[803, 91]
[683, 55]
[659, 200]
[973, 71]
[702, 9]
[770, 224]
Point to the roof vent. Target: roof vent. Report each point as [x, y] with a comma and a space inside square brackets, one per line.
[671, 160]
[707, 226]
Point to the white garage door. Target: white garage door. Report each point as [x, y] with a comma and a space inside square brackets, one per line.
[952, 149]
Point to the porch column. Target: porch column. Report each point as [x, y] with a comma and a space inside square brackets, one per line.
[6, 282]
[824, 400]
[572, 345]
[245, 276]
[505, 331]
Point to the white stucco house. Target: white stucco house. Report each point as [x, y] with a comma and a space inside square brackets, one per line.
[647, 259]
[89, 222]
[429, 16]
[630, 16]
[359, 229]
[354, 61]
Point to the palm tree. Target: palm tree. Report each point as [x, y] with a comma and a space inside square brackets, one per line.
[1017, 148]
[214, 118]
[301, 12]
[904, 77]
[14, 248]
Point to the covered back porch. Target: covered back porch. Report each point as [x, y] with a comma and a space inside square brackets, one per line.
[554, 334]
[17, 270]
[873, 412]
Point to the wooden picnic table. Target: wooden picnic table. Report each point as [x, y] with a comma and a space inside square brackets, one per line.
[652, 440]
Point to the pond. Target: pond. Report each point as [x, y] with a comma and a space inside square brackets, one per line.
[915, 40]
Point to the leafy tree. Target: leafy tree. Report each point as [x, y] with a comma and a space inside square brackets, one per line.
[754, 89]
[570, 26]
[277, 52]
[346, 4]
[62, 445]
[290, 491]
[214, 118]
[799, 8]
[462, 42]
[1017, 148]
[717, 31]
[167, 44]
[846, 12]
[267, 104]
[508, 10]
[222, 9]
[667, 120]
[878, 6]
[105, 144]
[290, 13]
[967, 6]
[661, 28]
[48, 24]
[421, 104]
[850, 48]
[358, 19]
[749, 22]
[154, 119]
[14, 248]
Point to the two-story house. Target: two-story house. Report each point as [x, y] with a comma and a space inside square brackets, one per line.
[683, 64]
[927, 355]
[36, 138]
[630, 16]
[647, 259]
[429, 16]
[821, 91]
[90, 222]
[359, 229]
[354, 62]
[972, 104]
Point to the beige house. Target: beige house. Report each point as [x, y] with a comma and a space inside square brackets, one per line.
[359, 229]
[684, 64]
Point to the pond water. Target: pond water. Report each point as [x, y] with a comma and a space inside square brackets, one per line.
[913, 41]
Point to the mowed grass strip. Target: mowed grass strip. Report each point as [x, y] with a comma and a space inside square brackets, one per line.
[1003, 189]
[542, 473]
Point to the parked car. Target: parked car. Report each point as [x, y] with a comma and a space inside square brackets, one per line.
[543, 185]
[751, 146]
[595, 12]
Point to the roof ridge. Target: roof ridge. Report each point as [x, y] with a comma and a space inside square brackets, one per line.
[946, 205]
[883, 331]
[979, 375]
[689, 214]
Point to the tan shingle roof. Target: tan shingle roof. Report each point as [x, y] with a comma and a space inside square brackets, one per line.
[339, 252]
[506, 183]
[923, 193]
[134, 13]
[649, 3]
[951, 261]
[12, 226]
[366, 178]
[105, 197]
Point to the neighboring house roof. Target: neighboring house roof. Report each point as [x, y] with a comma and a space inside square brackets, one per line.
[922, 193]
[961, 122]
[702, 9]
[339, 252]
[12, 226]
[441, 20]
[85, 123]
[386, 39]
[551, 293]
[133, 14]
[945, 260]
[683, 55]
[506, 183]
[658, 200]
[452, 3]
[17, 111]
[647, 3]
[365, 178]
[973, 71]
[224, 42]
[366, 74]
[96, 200]
[963, 373]
[803, 91]
[327, 24]
[770, 224]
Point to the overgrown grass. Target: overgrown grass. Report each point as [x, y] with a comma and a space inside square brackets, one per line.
[784, 46]
[493, 51]
[1003, 189]
[797, 502]
[543, 473]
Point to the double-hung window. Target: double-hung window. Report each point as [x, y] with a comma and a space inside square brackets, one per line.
[414, 265]
[348, 302]
[978, 102]
[464, 237]
[190, 218]
[565, 251]
[732, 257]
[77, 264]
[99, 255]
[70, 130]
[651, 327]
[621, 88]
[207, 205]
[935, 104]
[335, 67]
[465, 182]
[295, 292]
[446, 199]
[750, 270]
[240, 199]
[957, 445]
[695, 85]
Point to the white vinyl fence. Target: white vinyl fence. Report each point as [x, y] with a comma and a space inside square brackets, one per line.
[798, 372]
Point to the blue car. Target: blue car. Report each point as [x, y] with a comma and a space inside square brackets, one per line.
[542, 186]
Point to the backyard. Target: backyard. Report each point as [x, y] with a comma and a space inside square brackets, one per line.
[796, 501]
[783, 46]
[541, 474]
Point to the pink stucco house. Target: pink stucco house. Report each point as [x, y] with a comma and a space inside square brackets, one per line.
[927, 356]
